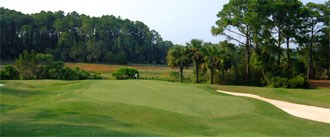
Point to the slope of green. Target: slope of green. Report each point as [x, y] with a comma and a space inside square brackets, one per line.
[174, 97]
[139, 108]
[314, 97]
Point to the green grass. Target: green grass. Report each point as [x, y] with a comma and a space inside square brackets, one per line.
[151, 72]
[139, 108]
[314, 97]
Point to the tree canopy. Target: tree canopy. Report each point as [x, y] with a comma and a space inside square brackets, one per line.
[77, 37]
[264, 31]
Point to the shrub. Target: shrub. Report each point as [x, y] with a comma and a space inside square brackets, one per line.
[3, 75]
[27, 65]
[68, 74]
[75, 73]
[43, 66]
[56, 70]
[277, 82]
[175, 75]
[96, 75]
[84, 74]
[9, 72]
[125, 73]
[298, 81]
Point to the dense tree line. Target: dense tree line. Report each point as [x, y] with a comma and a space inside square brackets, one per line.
[280, 42]
[80, 38]
[222, 60]
[268, 26]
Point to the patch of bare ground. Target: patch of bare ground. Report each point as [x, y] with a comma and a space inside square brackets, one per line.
[320, 83]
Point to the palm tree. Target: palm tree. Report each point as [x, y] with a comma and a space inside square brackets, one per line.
[196, 55]
[212, 58]
[227, 56]
[177, 57]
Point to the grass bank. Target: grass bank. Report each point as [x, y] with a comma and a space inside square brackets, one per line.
[139, 108]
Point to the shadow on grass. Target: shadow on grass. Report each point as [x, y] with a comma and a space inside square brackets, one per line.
[78, 118]
[22, 93]
[32, 129]
[5, 107]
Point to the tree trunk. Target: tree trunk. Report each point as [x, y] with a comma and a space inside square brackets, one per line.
[264, 76]
[309, 68]
[212, 76]
[257, 49]
[223, 74]
[181, 74]
[247, 64]
[197, 72]
[310, 56]
[247, 57]
[279, 48]
[288, 52]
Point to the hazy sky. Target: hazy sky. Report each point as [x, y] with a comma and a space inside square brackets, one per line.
[175, 20]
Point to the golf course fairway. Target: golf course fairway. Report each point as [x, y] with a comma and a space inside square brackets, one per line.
[139, 108]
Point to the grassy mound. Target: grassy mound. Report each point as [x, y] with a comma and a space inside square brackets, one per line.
[139, 108]
[174, 97]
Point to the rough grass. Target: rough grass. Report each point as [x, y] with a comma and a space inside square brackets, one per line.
[139, 108]
[314, 97]
[159, 72]
[110, 68]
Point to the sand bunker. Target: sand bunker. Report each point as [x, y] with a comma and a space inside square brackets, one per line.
[303, 111]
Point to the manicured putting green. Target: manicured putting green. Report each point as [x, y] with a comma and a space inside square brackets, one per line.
[139, 108]
[179, 98]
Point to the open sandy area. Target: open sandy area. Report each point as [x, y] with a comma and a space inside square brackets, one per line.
[303, 111]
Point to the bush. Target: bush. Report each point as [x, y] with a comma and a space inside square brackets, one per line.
[27, 65]
[125, 73]
[298, 81]
[95, 75]
[3, 75]
[75, 74]
[56, 70]
[175, 75]
[277, 82]
[9, 73]
[43, 66]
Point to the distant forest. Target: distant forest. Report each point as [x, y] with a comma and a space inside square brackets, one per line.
[77, 37]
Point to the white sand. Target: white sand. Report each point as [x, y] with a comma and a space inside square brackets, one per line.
[1, 85]
[303, 111]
